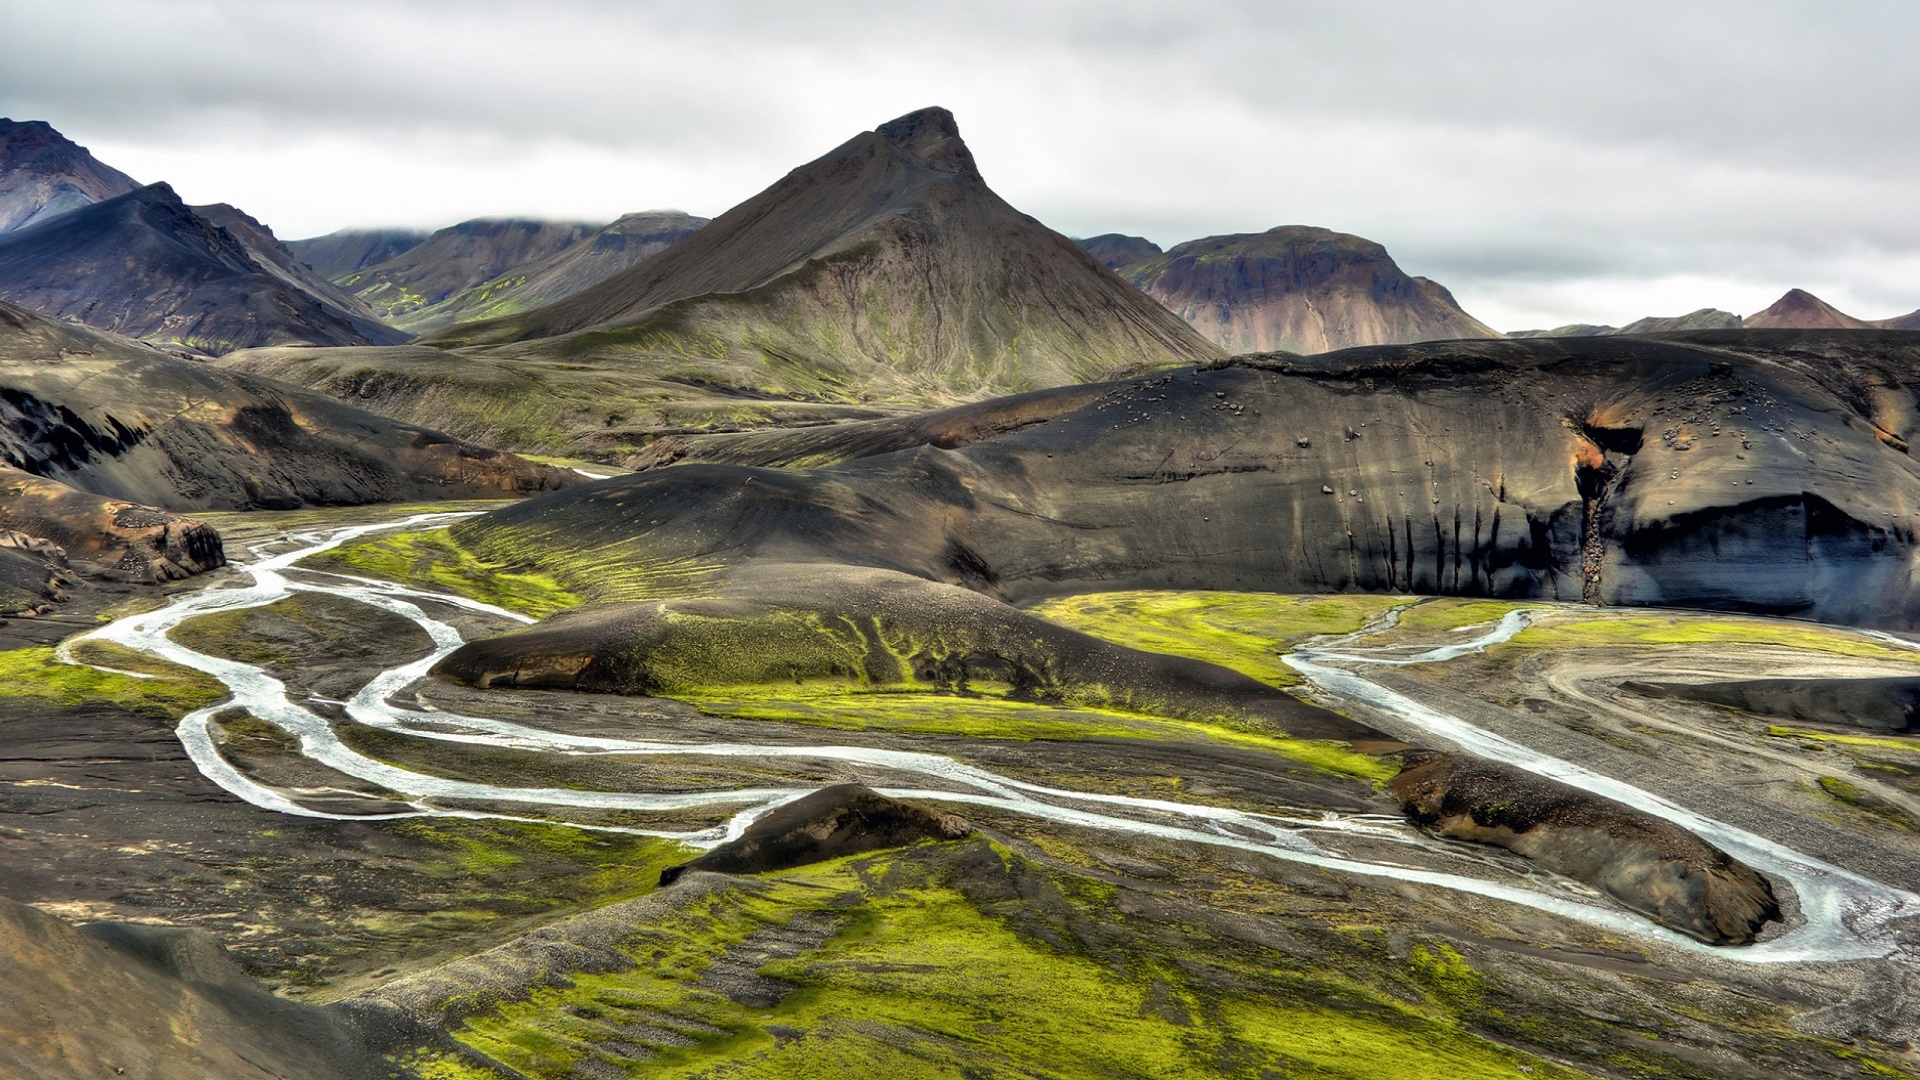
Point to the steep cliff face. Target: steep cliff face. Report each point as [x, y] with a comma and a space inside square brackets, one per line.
[146, 265]
[1760, 471]
[1296, 289]
[885, 270]
[43, 174]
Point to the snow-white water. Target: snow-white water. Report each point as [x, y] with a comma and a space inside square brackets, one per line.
[1845, 916]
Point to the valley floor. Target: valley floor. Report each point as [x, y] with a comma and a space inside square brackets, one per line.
[1143, 896]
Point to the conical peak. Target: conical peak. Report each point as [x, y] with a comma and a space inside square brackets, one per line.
[931, 137]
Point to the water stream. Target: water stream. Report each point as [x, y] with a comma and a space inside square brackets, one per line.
[1845, 916]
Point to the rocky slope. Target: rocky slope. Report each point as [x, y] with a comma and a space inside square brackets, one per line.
[111, 417]
[410, 290]
[884, 270]
[154, 1004]
[146, 265]
[340, 253]
[43, 174]
[1293, 288]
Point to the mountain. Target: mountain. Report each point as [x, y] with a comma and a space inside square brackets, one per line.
[885, 270]
[338, 254]
[1703, 319]
[1801, 310]
[882, 277]
[43, 174]
[146, 265]
[583, 263]
[406, 289]
[1909, 321]
[1294, 288]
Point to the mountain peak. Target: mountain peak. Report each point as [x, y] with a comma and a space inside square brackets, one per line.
[931, 137]
[1800, 309]
[44, 174]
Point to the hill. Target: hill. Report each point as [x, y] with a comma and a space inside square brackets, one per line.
[338, 254]
[146, 265]
[1801, 310]
[1703, 319]
[43, 174]
[1293, 288]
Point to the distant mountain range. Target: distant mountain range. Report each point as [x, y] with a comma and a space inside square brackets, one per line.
[1797, 310]
[1294, 288]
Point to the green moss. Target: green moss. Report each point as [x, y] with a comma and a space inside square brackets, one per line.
[170, 692]
[1909, 746]
[996, 717]
[1439, 616]
[1575, 632]
[436, 559]
[1247, 632]
[921, 981]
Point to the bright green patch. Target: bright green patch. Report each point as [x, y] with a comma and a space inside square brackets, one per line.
[1910, 746]
[1247, 632]
[172, 692]
[990, 717]
[1608, 630]
[1438, 616]
[434, 558]
[920, 982]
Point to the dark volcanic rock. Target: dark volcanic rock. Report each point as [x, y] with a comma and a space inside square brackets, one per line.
[100, 537]
[845, 819]
[43, 174]
[109, 416]
[1765, 471]
[1117, 251]
[146, 265]
[1887, 704]
[157, 1003]
[1299, 289]
[1650, 865]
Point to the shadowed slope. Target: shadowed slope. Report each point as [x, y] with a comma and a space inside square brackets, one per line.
[340, 253]
[146, 265]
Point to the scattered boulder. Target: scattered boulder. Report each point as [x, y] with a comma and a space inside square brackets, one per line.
[845, 819]
[1654, 867]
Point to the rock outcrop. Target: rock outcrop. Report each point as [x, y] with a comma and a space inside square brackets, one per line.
[845, 819]
[1652, 866]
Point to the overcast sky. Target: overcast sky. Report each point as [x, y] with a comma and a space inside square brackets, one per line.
[1549, 161]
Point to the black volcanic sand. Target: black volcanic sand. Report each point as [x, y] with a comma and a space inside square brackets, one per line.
[832, 823]
[1876, 704]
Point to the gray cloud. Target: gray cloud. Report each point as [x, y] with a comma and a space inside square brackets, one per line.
[1549, 161]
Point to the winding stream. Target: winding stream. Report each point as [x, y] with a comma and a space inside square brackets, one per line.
[1844, 916]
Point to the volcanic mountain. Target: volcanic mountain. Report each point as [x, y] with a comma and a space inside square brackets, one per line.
[885, 270]
[1703, 319]
[531, 282]
[148, 266]
[1294, 288]
[1801, 310]
[410, 288]
[339, 254]
[43, 174]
